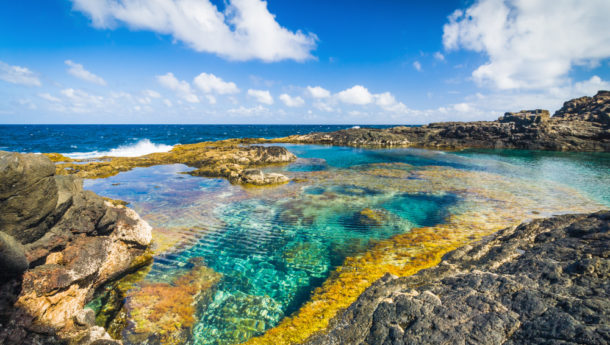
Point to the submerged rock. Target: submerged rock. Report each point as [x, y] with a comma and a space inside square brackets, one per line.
[582, 124]
[542, 282]
[58, 243]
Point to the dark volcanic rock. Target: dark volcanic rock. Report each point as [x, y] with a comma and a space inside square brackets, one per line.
[582, 124]
[546, 282]
[58, 243]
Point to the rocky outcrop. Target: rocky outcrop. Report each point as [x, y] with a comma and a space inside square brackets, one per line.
[544, 282]
[233, 159]
[582, 124]
[58, 243]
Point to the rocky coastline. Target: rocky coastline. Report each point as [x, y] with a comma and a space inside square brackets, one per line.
[582, 124]
[544, 282]
[58, 243]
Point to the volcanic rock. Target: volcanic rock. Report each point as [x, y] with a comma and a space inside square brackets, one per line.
[544, 282]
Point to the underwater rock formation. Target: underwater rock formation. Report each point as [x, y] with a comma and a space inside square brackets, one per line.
[232, 159]
[540, 282]
[59, 244]
[582, 124]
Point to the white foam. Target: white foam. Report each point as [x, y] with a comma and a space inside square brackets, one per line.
[142, 147]
[356, 127]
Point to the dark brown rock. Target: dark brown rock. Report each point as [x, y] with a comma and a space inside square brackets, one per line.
[582, 124]
[546, 282]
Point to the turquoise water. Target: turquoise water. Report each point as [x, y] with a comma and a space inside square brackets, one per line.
[274, 246]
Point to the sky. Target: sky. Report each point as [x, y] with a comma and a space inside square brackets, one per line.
[297, 61]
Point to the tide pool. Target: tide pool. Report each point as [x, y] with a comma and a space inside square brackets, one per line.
[290, 256]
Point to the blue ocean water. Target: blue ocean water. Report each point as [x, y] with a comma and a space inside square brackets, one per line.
[103, 138]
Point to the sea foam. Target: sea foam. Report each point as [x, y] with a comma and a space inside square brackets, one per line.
[142, 147]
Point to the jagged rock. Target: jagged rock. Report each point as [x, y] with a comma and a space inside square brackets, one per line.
[542, 282]
[257, 177]
[582, 124]
[76, 242]
[12, 256]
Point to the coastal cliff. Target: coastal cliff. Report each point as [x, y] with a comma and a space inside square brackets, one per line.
[543, 282]
[58, 243]
[582, 124]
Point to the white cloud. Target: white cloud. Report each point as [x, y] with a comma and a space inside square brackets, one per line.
[439, 56]
[245, 30]
[182, 88]
[388, 102]
[167, 102]
[211, 99]
[290, 101]
[80, 72]
[261, 96]
[318, 92]
[357, 94]
[530, 44]
[48, 97]
[417, 65]
[209, 83]
[81, 101]
[18, 75]
[151, 94]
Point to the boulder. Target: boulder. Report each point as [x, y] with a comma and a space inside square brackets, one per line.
[12, 256]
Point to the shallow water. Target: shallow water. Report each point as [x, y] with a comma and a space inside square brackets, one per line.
[351, 213]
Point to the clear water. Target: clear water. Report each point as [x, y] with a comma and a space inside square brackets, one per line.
[275, 246]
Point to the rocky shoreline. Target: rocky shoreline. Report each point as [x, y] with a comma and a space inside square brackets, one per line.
[582, 124]
[544, 282]
[58, 243]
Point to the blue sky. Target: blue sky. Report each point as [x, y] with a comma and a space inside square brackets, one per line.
[250, 61]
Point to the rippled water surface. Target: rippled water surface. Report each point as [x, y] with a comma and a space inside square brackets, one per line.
[257, 255]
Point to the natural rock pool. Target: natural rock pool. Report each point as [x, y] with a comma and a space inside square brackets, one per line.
[231, 262]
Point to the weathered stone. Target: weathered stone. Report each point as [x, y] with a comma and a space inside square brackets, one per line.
[582, 124]
[542, 282]
[75, 243]
[12, 256]
[28, 194]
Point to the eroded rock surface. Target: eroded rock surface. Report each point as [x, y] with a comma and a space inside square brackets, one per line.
[59, 243]
[582, 124]
[546, 282]
[233, 159]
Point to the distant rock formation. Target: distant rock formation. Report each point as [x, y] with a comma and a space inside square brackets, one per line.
[58, 243]
[582, 124]
[546, 282]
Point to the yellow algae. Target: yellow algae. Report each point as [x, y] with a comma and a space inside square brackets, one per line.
[490, 203]
[226, 158]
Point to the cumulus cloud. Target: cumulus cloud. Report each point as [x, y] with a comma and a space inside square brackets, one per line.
[388, 102]
[244, 30]
[261, 96]
[318, 92]
[530, 44]
[357, 94]
[290, 101]
[80, 72]
[182, 88]
[417, 65]
[18, 75]
[210, 83]
[439, 56]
